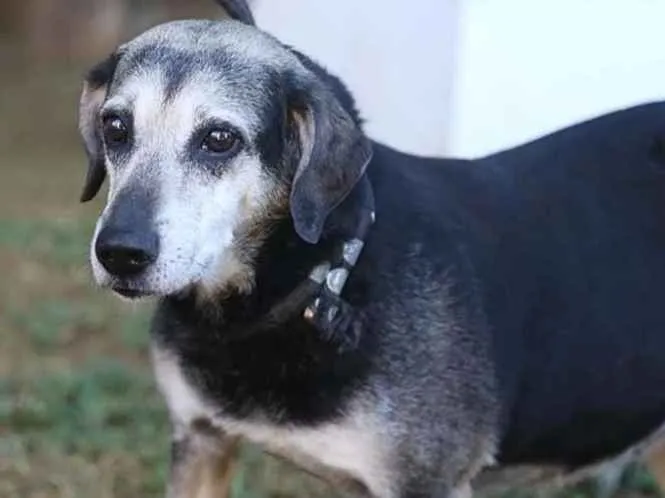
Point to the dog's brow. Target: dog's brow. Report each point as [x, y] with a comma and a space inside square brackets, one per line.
[116, 101]
[207, 114]
[115, 107]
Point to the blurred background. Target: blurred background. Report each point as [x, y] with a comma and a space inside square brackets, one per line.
[79, 414]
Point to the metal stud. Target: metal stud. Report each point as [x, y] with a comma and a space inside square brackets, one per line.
[336, 280]
[351, 251]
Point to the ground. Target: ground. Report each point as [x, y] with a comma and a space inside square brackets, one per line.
[79, 412]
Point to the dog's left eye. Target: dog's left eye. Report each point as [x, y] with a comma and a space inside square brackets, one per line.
[220, 141]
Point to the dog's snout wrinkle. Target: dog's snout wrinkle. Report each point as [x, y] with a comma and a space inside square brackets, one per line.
[126, 252]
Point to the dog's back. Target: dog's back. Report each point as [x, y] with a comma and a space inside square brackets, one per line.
[555, 250]
[591, 337]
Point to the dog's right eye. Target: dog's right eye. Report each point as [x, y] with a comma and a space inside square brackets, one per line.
[115, 130]
[220, 141]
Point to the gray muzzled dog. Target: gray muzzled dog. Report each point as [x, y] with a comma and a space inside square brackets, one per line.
[468, 331]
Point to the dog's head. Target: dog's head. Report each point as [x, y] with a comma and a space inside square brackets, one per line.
[208, 133]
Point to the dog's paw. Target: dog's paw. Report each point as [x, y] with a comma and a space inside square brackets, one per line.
[336, 320]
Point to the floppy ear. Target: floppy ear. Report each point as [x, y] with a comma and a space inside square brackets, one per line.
[334, 155]
[238, 10]
[94, 91]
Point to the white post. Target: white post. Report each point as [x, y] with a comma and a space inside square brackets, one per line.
[397, 58]
[527, 67]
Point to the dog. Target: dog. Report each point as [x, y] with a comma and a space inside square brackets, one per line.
[394, 323]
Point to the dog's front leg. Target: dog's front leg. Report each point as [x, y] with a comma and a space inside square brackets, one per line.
[201, 466]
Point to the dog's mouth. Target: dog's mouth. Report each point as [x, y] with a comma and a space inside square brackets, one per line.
[130, 293]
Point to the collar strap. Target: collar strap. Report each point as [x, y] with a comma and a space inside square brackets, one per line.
[334, 273]
[319, 293]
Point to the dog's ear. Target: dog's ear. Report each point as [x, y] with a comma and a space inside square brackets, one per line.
[94, 91]
[334, 153]
[238, 10]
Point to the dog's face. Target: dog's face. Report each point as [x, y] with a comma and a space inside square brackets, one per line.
[208, 132]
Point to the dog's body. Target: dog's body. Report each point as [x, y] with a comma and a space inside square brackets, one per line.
[508, 308]
[515, 314]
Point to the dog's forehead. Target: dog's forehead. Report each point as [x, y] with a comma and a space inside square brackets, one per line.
[209, 42]
[220, 63]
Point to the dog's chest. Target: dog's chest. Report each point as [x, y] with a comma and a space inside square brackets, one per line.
[349, 447]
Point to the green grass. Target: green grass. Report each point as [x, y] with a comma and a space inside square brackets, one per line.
[102, 408]
[61, 242]
[80, 415]
[48, 323]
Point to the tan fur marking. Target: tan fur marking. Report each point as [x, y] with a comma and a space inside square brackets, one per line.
[655, 462]
[206, 473]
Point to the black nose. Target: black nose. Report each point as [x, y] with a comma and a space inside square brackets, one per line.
[126, 253]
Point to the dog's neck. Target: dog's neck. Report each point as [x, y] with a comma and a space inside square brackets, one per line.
[282, 270]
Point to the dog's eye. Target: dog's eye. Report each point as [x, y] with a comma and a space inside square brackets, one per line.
[115, 130]
[220, 141]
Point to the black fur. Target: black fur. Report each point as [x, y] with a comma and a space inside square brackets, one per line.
[101, 74]
[238, 10]
[585, 325]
